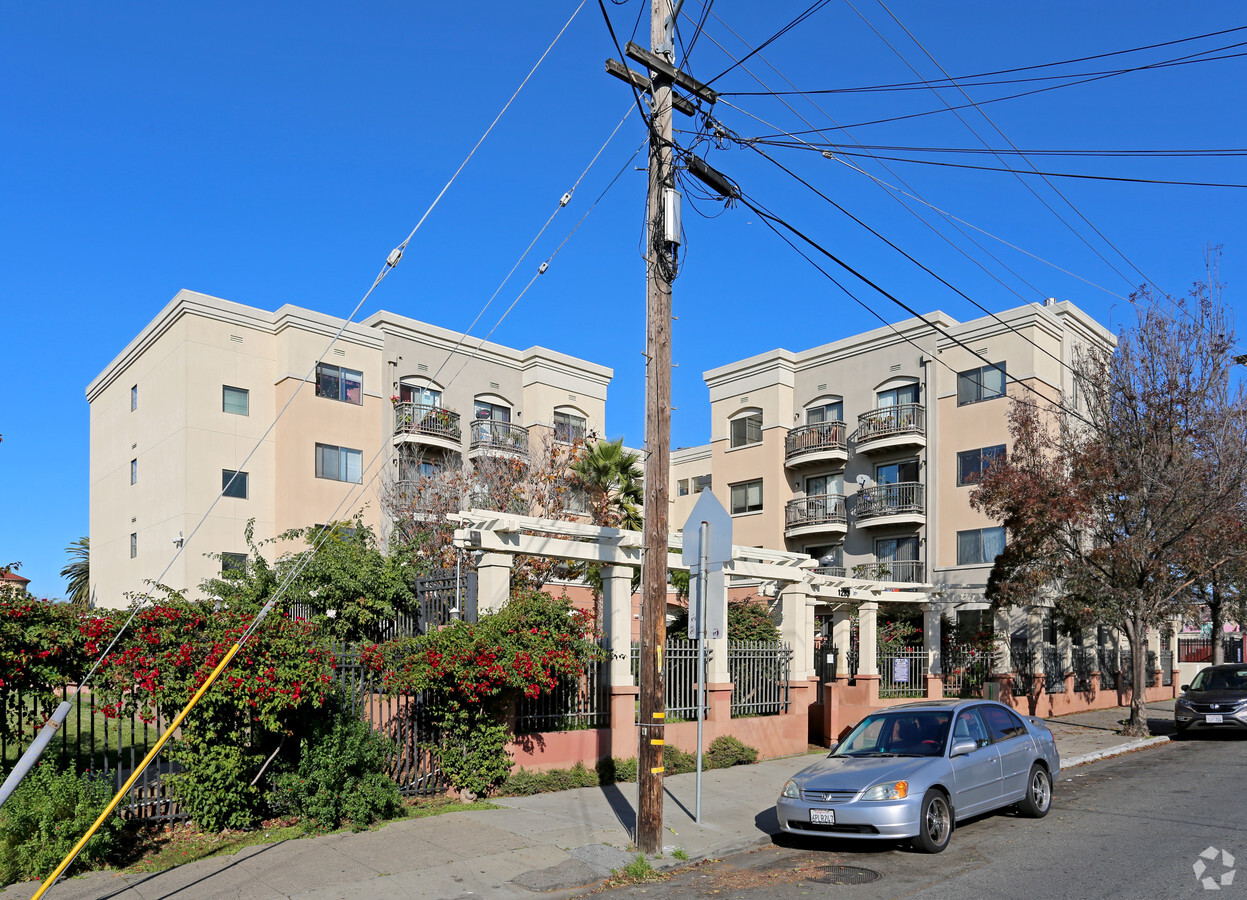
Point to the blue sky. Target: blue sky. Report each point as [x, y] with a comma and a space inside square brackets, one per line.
[273, 153]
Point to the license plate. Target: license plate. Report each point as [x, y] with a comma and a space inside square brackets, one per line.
[822, 817]
[1214, 719]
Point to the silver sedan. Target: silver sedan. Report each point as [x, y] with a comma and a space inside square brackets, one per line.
[912, 771]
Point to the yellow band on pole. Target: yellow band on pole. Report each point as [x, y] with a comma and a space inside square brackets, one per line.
[658, 742]
[134, 776]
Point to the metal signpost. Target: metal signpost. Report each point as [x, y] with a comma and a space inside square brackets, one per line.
[707, 594]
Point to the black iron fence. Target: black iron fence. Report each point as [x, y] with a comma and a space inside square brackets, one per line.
[1023, 661]
[760, 671]
[1199, 649]
[902, 672]
[966, 669]
[1110, 665]
[577, 703]
[679, 667]
[1084, 661]
[1053, 669]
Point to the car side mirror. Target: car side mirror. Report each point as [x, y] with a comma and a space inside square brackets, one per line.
[961, 748]
[1186, 687]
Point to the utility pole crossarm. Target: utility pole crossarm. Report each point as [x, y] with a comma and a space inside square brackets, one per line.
[641, 83]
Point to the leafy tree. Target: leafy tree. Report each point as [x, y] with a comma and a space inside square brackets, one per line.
[747, 620]
[78, 571]
[1111, 499]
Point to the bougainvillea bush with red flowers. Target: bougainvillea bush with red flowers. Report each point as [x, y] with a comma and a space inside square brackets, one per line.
[280, 678]
[41, 648]
[472, 673]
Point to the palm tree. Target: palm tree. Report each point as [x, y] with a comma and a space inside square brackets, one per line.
[612, 476]
[78, 571]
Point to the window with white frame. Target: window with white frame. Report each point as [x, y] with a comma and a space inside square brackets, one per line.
[134, 397]
[134, 544]
[745, 429]
[681, 488]
[980, 545]
[568, 427]
[134, 471]
[905, 393]
[339, 463]
[826, 412]
[972, 464]
[235, 400]
[234, 484]
[747, 497]
[338, 383]
[984, 383]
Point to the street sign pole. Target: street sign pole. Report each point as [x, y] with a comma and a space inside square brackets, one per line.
[703, 583]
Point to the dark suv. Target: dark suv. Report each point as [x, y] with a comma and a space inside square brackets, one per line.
[1216, 698]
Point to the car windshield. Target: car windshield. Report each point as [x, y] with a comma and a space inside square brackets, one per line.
[1220, 680]
[901, 733]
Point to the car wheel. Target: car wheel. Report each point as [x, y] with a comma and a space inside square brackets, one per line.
[1038, 799]
[1180, 727]
[935, 823]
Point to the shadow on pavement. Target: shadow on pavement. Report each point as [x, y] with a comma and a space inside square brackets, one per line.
[621, 808]
[135, 885]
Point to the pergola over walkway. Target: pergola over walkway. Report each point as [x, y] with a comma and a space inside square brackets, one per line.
[500, 536]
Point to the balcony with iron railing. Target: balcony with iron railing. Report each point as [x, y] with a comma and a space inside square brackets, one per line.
[421, 423]
[891, 428]
[906, 571]
[488, 436]
[831, 571]
[891, 504]
[820, 443]
[816, 514]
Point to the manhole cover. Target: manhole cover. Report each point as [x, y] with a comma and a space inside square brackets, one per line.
[842, 875]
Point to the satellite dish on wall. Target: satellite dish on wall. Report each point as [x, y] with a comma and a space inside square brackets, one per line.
[862, 479]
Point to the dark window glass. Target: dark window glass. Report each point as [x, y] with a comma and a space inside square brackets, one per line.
[134, 545]
[1002, 724]
[971, 464]
[568, 428]
[338, 383]
[980, 545]
[233, 562]
[747, 497]
[986, 383]
[234, 484]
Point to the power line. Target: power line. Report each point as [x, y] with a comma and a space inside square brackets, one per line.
[801, 17]
[998, 130]
[1012, 171]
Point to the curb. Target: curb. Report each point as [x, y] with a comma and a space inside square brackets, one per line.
[1128, 747]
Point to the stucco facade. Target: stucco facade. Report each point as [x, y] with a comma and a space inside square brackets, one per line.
[210, 386]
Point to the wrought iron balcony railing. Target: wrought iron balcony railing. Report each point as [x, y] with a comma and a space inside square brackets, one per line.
[890, 500]
[819, 509]
[420, 418]
[490, 435]
[889, 421]
[814, 439]
[903, 570]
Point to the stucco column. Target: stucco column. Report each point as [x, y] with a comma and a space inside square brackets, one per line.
[931, 614]
[867, 643]
[493, 581]
[796, 629]
[1034, 638]
[716, 668]
[617, 623]
[841, 638]
[1003, 661]
[1153, 646]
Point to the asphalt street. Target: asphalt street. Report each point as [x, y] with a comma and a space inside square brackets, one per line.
[1134, 826]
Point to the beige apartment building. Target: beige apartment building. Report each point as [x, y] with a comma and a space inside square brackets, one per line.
[204, 422]
[862, 453]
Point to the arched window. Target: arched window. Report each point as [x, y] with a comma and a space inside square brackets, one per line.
[745, 428]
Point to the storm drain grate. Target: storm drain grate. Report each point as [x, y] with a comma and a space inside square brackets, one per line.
[843, 875]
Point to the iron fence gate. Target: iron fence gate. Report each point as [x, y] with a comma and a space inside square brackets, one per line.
[1023, 665]
[1053, 670]
[1166, 668]
[1110, 665]
[966, 669]
[1084, 661]
[902, 673]
[759, 671]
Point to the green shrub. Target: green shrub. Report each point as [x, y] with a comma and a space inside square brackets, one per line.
[214, 786]
[341, 775]
[524, 783]
[726, 751]
[46, 816]
[617, 769]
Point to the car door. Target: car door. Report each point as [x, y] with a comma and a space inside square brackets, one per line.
[1017, 750]
[976, 775]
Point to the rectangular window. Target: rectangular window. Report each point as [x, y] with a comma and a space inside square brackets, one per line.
[681, 488]
[821, 485]
[233, 562]
[494, 412]
[134, 471]
[897, 473]
[234, 484]
[980, 545]
[134, 544]
[986, 383]
[746, 430]
[338, 383]
[747, 497]
[906, 393]
[971, 464]
[568, 428]
[831, 412]
[339, 463]
[576, 501]
[235, 400]
[701, 483]
[134, 398]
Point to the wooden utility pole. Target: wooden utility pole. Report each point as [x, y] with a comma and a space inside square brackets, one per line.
[660, 261]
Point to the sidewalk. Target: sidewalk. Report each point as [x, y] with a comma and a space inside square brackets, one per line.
[553, 843]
